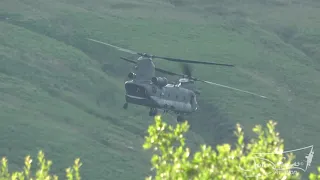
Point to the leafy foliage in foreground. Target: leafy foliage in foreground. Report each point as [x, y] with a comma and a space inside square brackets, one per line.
[42, 173]
[172, 159]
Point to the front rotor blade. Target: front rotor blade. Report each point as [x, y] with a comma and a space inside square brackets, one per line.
[233, 88]
[119, 48]
[186, 69]
[191, 61]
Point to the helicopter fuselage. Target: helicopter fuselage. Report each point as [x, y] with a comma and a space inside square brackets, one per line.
[169, 97]
[145, 89]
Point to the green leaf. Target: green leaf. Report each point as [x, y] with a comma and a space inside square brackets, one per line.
[178, 162]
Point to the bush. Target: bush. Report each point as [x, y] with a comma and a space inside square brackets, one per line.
[173, 160]
[42, 172]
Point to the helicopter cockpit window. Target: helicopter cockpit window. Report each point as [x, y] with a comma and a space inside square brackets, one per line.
[135, 90]
[191, 100]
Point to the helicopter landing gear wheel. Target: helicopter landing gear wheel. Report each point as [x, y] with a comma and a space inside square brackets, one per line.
[180, 119]
[125, 106]
[153, 112]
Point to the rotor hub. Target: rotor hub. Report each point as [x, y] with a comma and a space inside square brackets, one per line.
[185, 80]
[145, 55]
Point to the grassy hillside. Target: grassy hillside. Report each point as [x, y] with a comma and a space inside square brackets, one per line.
[64, 94]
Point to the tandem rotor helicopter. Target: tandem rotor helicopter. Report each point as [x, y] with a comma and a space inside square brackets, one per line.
[145, 89]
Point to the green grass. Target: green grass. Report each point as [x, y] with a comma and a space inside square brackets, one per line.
[55, 95]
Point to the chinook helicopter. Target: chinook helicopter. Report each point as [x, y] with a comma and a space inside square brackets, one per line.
[145, 89]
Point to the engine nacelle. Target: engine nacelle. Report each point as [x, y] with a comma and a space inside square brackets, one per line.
[131, 75]
[159, 81]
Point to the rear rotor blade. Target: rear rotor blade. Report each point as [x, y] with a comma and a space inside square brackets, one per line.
[192, 61]
[128, 60]
[157, 69]
[152, 56]
[167, 72]
[118, 48]
[208, 82]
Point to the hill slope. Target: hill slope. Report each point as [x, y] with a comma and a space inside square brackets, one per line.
[64, 94]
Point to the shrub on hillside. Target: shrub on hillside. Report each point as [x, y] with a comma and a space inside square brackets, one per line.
[42, 173]
[172, 159]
